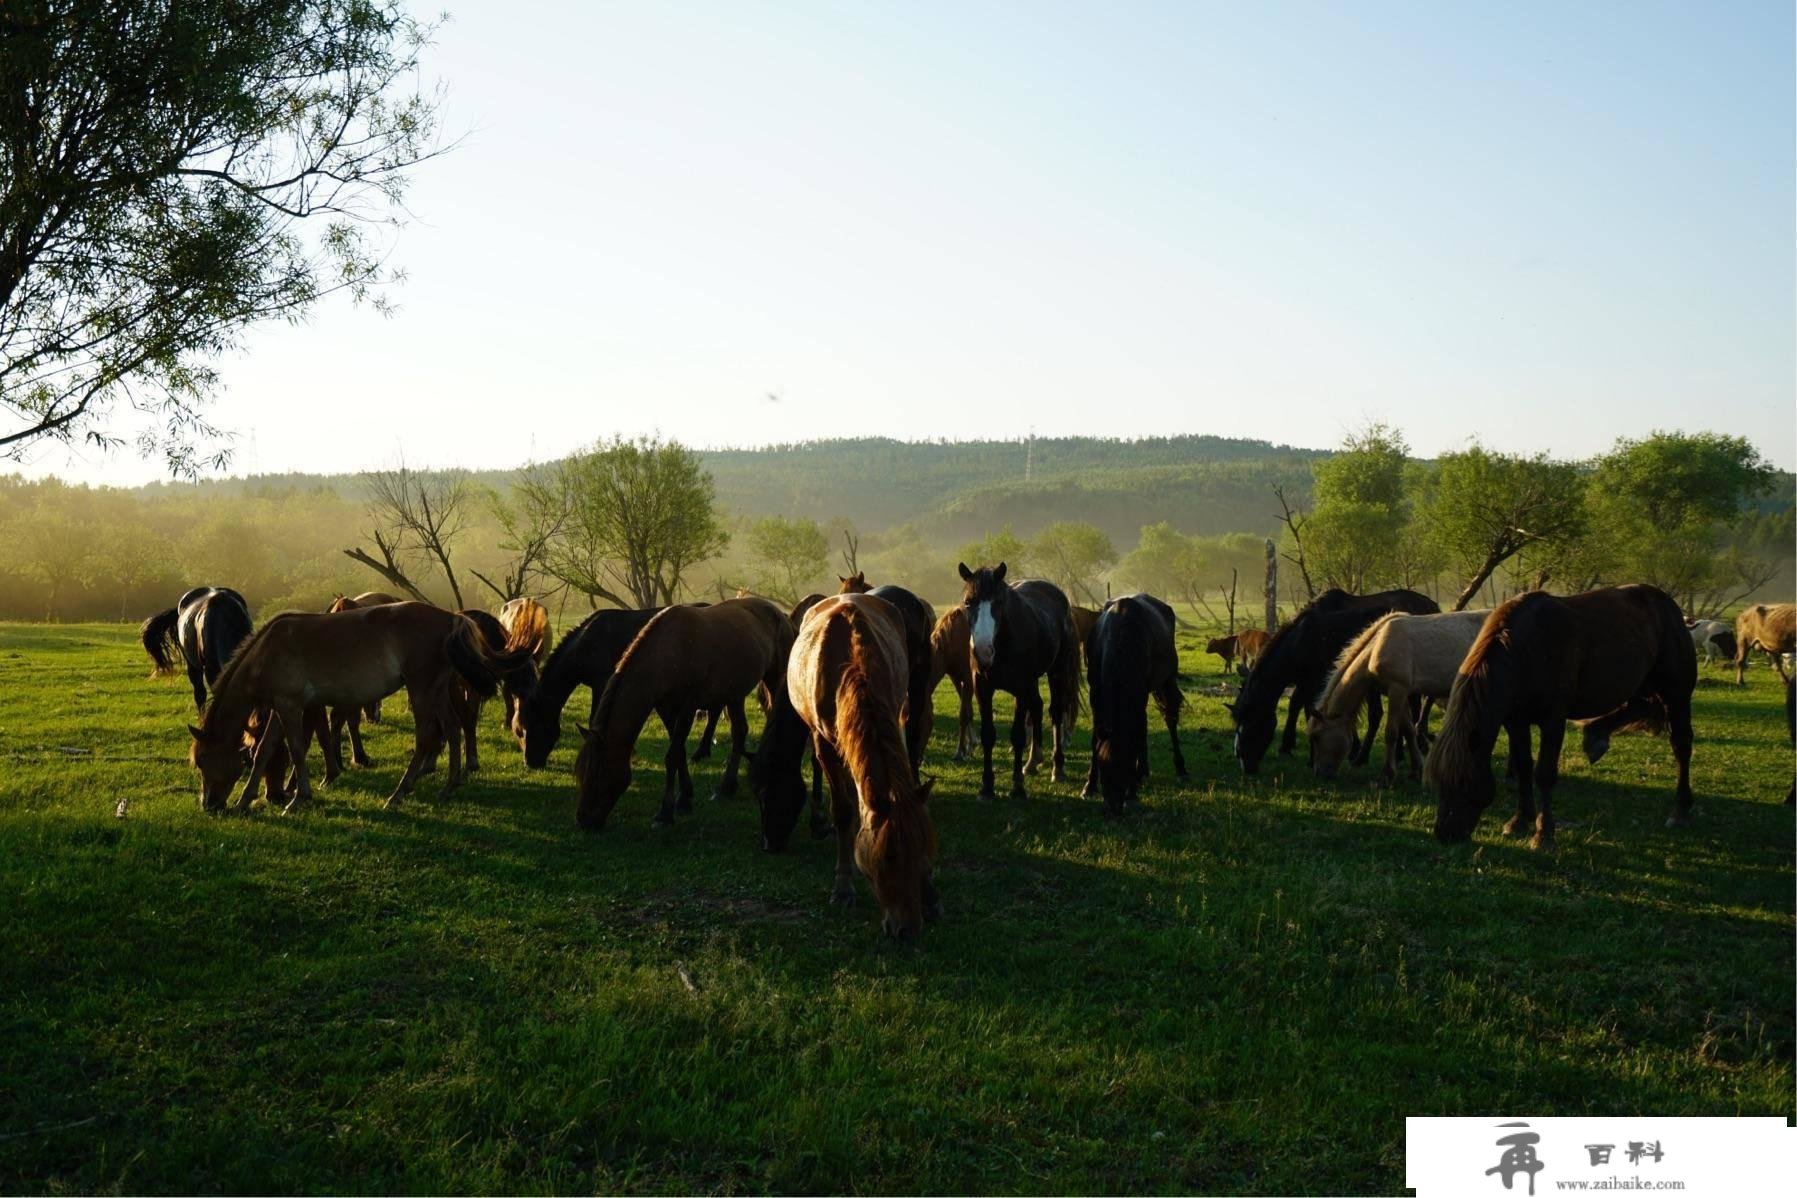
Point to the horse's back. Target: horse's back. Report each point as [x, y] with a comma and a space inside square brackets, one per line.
[824, 643]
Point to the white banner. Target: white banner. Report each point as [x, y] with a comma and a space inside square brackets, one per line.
[1513, 1158]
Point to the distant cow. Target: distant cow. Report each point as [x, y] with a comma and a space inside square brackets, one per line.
[1242, 650]
[1768, 626]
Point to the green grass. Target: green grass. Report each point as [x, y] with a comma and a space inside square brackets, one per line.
[1245, 988]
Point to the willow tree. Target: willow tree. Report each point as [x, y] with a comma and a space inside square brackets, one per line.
[173, 172]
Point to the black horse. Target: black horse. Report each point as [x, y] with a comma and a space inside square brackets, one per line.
[205, 627]
[587, 656]
[920, 705]
[1020, 632]
[1300, 656]
[1130, 655]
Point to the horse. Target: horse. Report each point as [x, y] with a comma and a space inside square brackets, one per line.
[1240, 650]
[1019, 632]
[684, 659]
[302, 660]
[466, 701]
[1619, 657]
[1791, 729]
[1300, 656]
[526, 623]
[951, 657]
[847, 681]
[586, 656]
[1130, 655]
[919, 620]
[205, 627]
[371, 713]
[1401, 656]
[1084, 620]
[1713, 640]
[1768, 626]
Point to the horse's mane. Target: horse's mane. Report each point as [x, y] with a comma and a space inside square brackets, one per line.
[874, 749]
[1462, 748]
[569, 639]
[1283, 642]
[228, 675]
[1340, 677]
[614, 686]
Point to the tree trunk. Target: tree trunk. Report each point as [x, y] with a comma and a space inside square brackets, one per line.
[1271, 589]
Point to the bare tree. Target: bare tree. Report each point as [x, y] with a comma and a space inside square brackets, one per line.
[418, 516]
[851, 552]
[532, 517]
[1294, 520]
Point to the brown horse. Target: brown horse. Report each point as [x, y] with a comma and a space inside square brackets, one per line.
[301, 660]
[521, 680]
[1619, 657]
[1085, 619]
[848, 681]
[1240, 650]
[1130, 656]
[1019, 633]
[526, 624]
[951, 656]
[372, 712]
[1768, 626]
[685, 659]
[919, 619]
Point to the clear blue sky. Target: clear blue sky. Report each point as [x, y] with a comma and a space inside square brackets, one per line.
[1542, 225]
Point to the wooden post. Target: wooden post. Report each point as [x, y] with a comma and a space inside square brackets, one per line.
[1272, 586]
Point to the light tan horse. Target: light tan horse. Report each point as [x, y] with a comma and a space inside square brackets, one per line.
[951, 650]
[685, 659]
[526, 624]
[848, 680]
[1768, 626]
[301, 660]
[1400, 656]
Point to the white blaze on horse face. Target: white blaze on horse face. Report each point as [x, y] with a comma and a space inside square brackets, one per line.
[985, 632]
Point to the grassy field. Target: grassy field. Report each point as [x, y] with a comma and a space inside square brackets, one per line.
[1245, 988]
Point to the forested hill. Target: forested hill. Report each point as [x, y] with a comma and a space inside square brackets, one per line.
[958, 489]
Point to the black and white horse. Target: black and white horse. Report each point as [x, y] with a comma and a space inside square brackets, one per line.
[1019, 633]
[205, 627]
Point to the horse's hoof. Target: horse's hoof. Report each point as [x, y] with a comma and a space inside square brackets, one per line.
[1517, 826]
[843, 898]
[1018, 792]
[1596, 745]
[1542, 844]
[1086, 791]
[1678, 821]
[1058, 776]
[933, 911]
[987, 796]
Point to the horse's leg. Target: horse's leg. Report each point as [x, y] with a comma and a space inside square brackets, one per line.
[1375, 710]
[318, 727]
[1100, 731]
[988, 736]
[1547, 772]
[1678, 731]
[350, 719]
[1060, 704]
[1778, 663]
[964, 746]
[846, 813]
[470, 706]
[1422, 723]
[197, 679]
[1743, 649]
[739, 739]
[427, 738]
[1289, 740]
[1020, 735]
[920, 721]
[709, 736]
[1396, 729]
[452, 716]
[1032, 722]
[1170, 703]
[820, 823]
[1520, 765]
[261, 760]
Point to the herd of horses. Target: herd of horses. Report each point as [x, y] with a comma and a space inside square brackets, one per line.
[848, 680]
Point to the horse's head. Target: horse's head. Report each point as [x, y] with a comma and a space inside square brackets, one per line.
[1117, 779]
[538, 729]
[894, 850]
[986, 596]
[1330, 743]
[854, 584]
[779, 792]
[1463, 799]
[220, 762]
[342, 603]
[600, 779]
[1253, 733]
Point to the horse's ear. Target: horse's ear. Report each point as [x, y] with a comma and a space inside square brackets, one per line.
[1229, 707]
[586, 733]
[197, 734]
[998, 575]
[840, 578]
[928, 788]
[966, 574]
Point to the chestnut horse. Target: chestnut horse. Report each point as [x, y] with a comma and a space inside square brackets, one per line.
[586, 656]
[684, 659]
[1619, 657]
[205, 627]
[1084, 620]
[951, 656]
[919, 618]
[1768, 626]
[526, 624]
[848, 681]
[1130, 656]
[1239, 651]
[372, 712]
[301, 660]
[1300, 656]
[1020, 632]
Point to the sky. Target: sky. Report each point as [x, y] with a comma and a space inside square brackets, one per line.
[1538, 225]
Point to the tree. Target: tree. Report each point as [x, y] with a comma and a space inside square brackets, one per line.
[792, 555]
[1167, 563]
[1352, 533]
[1480, 509]
[417, 516]
[640, 514]
[175, 171]
[1001, 546]
[530, 519]
[1072, 554]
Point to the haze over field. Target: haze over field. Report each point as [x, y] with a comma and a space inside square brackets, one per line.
[743, 223]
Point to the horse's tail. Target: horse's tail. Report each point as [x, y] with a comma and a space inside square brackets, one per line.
[1066, 671]
[158, 636]
[1120, 686]
[481, 666]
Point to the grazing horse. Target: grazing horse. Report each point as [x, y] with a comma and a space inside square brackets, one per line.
[684, 659]
[1084, 620]
[1401, 656]
[518, 681]
[1020, 632]
[1713, 640]
[919, 619]
[951, 657]
[205, 627]
[1300, 655]
[371, 713]
[1130, 655]
[301, 660]
[1768, 626]
[526, 624]
[847, 680]
[586, 656]
[1618, 657]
